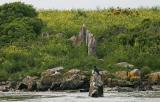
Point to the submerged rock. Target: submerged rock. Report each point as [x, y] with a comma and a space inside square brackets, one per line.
[125, 89]
[156, 87]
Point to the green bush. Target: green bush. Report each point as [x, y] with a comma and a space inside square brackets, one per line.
[145, 70]
[18, 21]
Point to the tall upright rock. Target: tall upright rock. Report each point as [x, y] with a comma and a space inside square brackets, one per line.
[86, 37]
[91, 44]
[83, 33]
[96, 84]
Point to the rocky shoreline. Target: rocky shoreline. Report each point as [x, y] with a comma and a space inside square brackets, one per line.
[56, 79]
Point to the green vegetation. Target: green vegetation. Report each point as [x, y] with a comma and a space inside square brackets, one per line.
[131, 35]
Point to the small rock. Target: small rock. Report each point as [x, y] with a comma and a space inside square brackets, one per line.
[125, 65]
[156, 87]
[125, 89]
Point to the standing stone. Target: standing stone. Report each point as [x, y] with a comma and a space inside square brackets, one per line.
[91, 44]
[96, 84]
[83, 32]
[86, 37]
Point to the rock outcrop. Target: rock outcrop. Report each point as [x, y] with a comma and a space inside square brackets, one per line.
[54, 80]
[86, 37]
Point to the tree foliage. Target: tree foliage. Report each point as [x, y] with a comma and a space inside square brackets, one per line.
[18, 21]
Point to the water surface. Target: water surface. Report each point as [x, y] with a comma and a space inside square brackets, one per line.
[79, 97]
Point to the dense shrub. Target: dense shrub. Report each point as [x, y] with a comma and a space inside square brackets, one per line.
[18, 21]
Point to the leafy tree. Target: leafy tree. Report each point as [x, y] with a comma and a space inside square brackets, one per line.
[18, 21]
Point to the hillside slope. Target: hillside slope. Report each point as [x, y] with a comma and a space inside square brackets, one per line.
[122, 36]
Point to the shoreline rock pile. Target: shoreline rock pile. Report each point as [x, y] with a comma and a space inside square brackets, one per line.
[56, 79]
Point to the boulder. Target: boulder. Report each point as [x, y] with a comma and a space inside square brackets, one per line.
[4, 88]
[125, 65]
[73, 79]
[28, 83]
[144, 86]
[41, 87]
[120, 83]
[22, 86]
[154, 78]
[51, 75]
[121, 75]
[105, 75]
[54, 80]
[12, 84]
[135, 74]
[125, 89]
[156, 87]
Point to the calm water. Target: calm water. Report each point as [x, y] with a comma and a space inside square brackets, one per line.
[78, 97]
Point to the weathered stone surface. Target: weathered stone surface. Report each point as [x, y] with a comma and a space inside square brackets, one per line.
[156, 87]
[121, 83]
[30, 82]
[53, 80]
[125, 65]
[121, 75]
[154, 78]
[86, 37]
[51, 75]
[135, 74]
[82, 33]
[125, 89]
[105, 75]
[73, 79]
[4, 88]
[144, 86]
[91, 44]
[41, 87]
[96, 85]
[12, 84]
[22, 86]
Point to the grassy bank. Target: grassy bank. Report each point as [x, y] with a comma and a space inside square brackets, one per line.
[131, 35]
